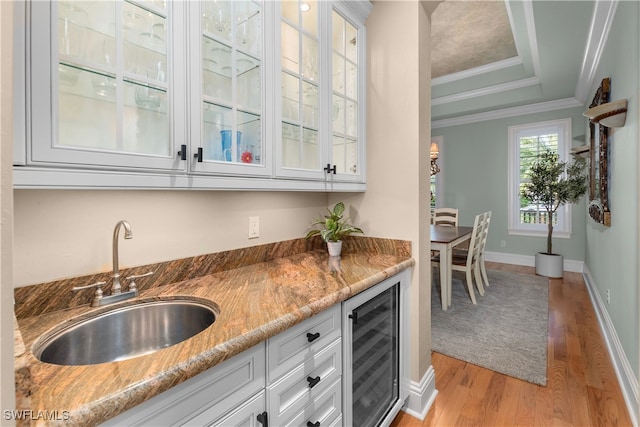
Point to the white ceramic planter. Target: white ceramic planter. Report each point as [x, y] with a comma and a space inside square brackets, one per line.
[335, 248]
[549, 265]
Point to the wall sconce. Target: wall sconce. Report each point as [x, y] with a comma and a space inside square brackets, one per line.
[434, 151]
[610, 114]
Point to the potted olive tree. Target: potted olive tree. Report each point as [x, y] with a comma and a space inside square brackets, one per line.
[554, 183]
[333, 228]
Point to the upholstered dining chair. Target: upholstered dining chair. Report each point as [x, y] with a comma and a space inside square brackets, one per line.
[445, 216]
[469, 262]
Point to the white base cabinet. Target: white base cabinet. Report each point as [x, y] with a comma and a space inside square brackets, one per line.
[294, 379]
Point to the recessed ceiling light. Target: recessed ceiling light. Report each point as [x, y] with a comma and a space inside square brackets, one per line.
[305, 7]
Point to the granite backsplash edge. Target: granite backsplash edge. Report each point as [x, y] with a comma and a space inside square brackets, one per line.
[35, 300]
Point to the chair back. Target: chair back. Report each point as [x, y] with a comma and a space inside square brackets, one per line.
[486, 220]
[445, 216]
[475, 243]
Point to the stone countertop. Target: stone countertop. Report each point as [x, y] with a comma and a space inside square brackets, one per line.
[256, 302]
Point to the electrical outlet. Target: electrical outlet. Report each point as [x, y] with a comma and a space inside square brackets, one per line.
[608, 296]
[254, 227]
[503, 243]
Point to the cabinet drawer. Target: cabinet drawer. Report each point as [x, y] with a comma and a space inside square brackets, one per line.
[325, 409]
[206, 396]
[300, 388]
[244, 416]
[293, 346]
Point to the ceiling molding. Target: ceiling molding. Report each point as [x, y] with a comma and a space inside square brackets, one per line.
[541, 107]
[533, 38]
[601, 23]
[483, 69]
[489, 90]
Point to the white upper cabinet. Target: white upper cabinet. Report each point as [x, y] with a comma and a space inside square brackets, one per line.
[229, 121]
[322, 84]
[243, 94]
[104, 84]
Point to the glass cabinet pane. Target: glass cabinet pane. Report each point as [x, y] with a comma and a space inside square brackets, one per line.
[299, 78]
[231, 49]
[344, 80]
[112, 77]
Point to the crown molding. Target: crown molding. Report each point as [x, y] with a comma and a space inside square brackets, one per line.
[541, 107]
[533, 38]
[489, 90]
[601, 24]
[472, 72]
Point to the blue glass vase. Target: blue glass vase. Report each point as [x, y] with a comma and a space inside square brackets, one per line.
[226, 143]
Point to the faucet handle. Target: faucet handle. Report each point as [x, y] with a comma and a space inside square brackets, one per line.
[132, 284]
[98, 295]
[98, 285]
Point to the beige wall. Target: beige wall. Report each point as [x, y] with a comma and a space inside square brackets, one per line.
[398, 137]
[63, 233]
[7, 393]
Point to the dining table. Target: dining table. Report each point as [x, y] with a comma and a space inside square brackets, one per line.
[443, 239]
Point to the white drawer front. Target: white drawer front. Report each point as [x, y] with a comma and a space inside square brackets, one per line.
[245, 416]
[293, 346]
[206, 396]
[303, 385]
[324, 411]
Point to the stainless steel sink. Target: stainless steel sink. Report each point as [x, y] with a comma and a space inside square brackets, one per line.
[125, 332]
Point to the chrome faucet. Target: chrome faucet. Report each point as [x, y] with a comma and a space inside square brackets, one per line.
[116, 291]
[117, 288]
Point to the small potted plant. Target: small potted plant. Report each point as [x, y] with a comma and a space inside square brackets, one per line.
[334, 228]
[553, 183]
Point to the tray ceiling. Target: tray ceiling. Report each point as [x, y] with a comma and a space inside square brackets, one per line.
[494, 59]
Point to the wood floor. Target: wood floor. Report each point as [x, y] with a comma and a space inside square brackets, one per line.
[581, 390]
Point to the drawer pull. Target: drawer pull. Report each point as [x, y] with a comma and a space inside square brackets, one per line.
[263, 419]
[312, 337]
[313, 381]
[310, 424]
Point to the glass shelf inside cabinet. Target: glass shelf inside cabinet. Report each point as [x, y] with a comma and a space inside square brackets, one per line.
[221, 144]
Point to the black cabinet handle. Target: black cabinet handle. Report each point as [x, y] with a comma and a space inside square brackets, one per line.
[263, 419]
[329, 169]
[183, 152]
[312, 337]
[198, 155]
[313, 381]
[310, 424]
[354, 317]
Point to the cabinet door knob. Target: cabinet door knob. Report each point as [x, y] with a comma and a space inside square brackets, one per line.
[183, 152]
[312, 337]
[310, 424]
[329, 169]
[263, 419]
[313, 381]
[198, 155]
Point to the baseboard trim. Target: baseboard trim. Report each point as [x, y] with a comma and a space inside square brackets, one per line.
[572, 265]
[421, 395]
[626, 378]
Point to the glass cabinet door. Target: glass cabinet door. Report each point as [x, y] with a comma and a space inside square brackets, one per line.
[320, 78]
[230, 93]
[299, 135]
[109, 83]
[344, 103]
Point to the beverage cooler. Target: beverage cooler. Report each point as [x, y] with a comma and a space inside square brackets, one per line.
[374, 348]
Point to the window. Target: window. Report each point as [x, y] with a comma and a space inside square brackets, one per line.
[526, 143]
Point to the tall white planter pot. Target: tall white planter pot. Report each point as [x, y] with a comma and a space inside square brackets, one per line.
[550, 265]
[335, 248]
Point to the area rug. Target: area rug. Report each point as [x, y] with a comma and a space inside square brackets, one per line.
[505, 332]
